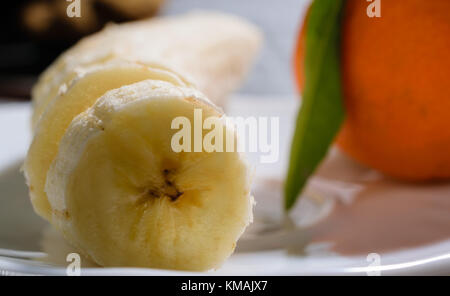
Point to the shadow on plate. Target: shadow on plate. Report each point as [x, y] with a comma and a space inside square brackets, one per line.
[350, 210]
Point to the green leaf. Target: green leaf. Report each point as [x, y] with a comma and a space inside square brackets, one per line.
[321, 112]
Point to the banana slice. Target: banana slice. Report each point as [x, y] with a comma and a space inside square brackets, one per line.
[213, 50]
[121, 195]
[85, 89]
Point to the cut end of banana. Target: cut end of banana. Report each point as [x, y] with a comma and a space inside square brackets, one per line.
[122, 196]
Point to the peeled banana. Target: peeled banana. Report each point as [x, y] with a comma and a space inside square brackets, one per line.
[101, 167]
[123, 197]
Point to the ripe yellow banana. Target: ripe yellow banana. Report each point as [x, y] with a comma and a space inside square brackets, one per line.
[101, 167]
[213, 50]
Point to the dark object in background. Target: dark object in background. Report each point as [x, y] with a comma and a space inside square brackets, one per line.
[35, 32]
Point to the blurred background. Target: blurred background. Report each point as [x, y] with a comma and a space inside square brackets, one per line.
[35, 32]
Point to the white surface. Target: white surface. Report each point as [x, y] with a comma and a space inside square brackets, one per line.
[25, 236]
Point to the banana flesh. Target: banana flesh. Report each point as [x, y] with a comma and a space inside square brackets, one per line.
[124, 198]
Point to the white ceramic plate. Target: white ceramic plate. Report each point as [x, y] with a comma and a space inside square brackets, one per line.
[350, 220]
